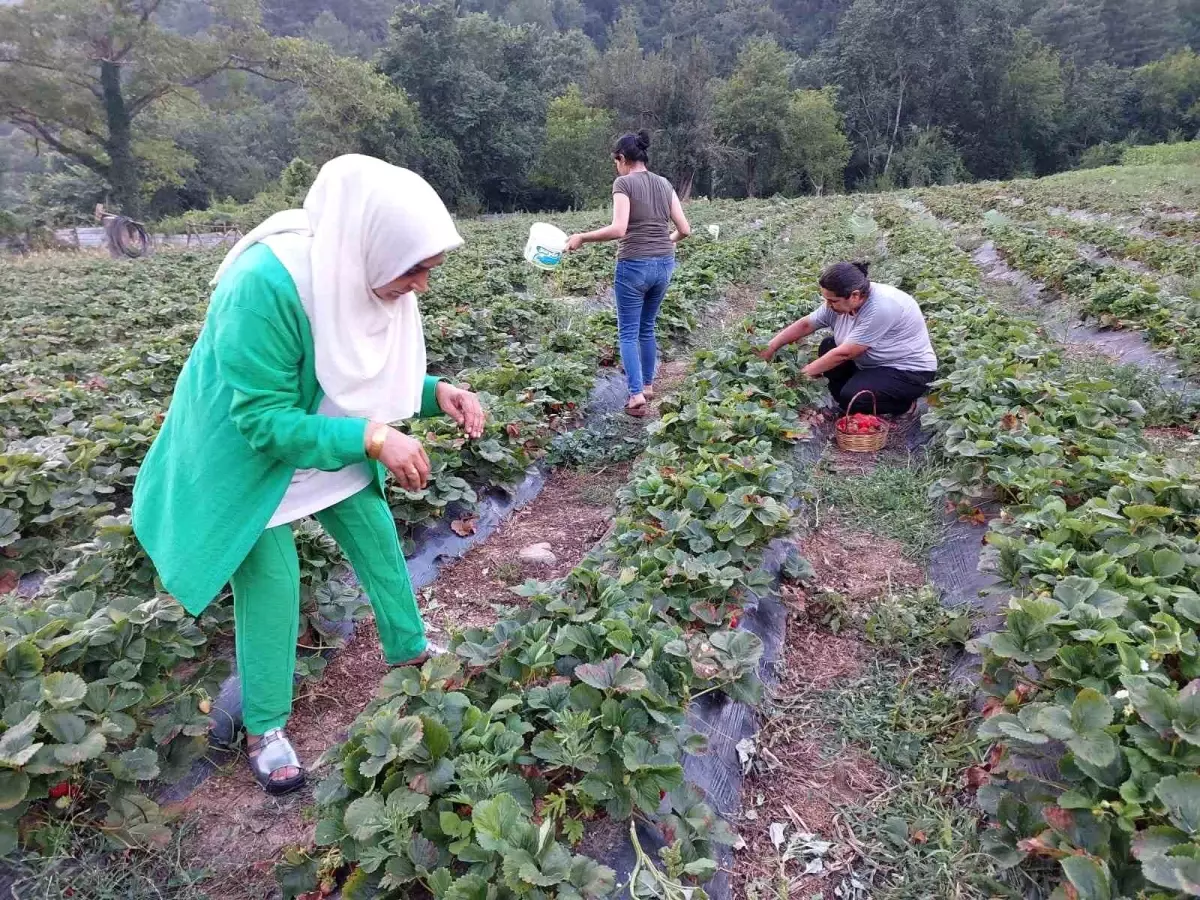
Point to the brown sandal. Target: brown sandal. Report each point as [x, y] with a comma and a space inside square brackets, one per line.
[638, 412]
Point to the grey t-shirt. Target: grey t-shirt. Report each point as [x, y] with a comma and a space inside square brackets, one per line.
[890, 324]
[648, 234]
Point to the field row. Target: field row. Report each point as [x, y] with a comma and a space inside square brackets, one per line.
[1092, 670]
[1055, 253]
[105, 683]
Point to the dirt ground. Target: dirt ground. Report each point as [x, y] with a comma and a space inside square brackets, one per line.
[571, 514]
[858, 565]
[802, 774]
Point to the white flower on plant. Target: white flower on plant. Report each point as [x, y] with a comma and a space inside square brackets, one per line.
[1145, 666]
[1121, 694]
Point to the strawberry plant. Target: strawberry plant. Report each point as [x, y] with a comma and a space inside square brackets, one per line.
[1093, 671]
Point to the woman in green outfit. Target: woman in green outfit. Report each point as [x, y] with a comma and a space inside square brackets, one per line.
[312, 345]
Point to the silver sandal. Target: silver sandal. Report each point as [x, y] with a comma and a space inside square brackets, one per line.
[272, 753]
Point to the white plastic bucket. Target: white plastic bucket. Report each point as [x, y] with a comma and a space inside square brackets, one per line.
[546, 245]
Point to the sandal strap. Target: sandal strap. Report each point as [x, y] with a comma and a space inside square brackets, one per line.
[272, 753]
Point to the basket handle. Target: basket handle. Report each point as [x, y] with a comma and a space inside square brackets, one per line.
[874, 404]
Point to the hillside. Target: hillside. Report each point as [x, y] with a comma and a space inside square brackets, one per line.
[514, 105]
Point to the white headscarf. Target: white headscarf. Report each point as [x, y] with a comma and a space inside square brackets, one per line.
[364, 224]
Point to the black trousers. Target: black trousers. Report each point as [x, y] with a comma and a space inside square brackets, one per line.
[895, 390]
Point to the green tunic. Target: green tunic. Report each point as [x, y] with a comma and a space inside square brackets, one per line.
[241, 422]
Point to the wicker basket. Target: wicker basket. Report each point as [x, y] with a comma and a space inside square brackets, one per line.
[860, 443]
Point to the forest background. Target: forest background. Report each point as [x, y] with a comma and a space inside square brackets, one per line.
[161, 107]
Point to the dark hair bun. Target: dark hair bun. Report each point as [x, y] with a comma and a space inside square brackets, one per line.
[643, 139]
[863, 267]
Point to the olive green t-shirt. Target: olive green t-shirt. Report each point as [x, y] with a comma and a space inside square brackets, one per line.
[648, 234]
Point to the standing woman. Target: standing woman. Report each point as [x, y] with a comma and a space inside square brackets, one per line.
[311, 346]
[880, 342]
[644, 208]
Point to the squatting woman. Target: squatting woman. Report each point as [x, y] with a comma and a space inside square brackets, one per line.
[880, 342]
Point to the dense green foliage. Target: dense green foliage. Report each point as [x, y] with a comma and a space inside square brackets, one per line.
[472, 95]
[105, 679]
[1093, 667]
[481, 774]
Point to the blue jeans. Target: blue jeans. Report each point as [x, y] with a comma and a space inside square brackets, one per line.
[640, 287]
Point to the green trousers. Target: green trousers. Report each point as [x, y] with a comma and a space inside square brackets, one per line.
[266, 602]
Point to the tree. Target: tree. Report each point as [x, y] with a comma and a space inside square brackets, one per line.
[1140, 31]
[815, 147]
[889, 76]
[724, 25]
[1098, 108]
[1076, 27]
[928, 158]
[1169, 96]
[576, 155]
[1034, 99]
[668, 93]
[482, 88]
[751, 106]
[83, 77]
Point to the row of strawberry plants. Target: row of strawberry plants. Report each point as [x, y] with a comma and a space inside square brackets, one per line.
[1161, 202]
[90, 371]
[104, 684]
[1114, 296]
[1163, 255]
[1120, 238]
[1094, 668]
[471, 777]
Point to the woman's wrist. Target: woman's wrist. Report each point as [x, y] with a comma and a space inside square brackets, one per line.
[376, 436]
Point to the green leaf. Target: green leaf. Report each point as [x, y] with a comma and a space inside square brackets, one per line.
[453, 826]
[630, 681]
[64, 690]
[16, 744]
[1074, 590]
[702, 869]
[592, 880]
[435, 736]
[13, 788]
[65, 727]
[296, 873]
[24, 660]
[406, 803]
[439, 882]
[1090, 711]
[1167, 563]
[1142, 512]
[602, 675]
[423, 853]
[1089, 877]
[1097, 748]
[1181, 794]
[365, 817]
[89, 748]
[469, 887]
[139, 764]
[440, 668]
[504, 704]
[1150, 848]
[494, 820]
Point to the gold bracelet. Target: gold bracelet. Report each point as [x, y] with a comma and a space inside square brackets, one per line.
[376, 441]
